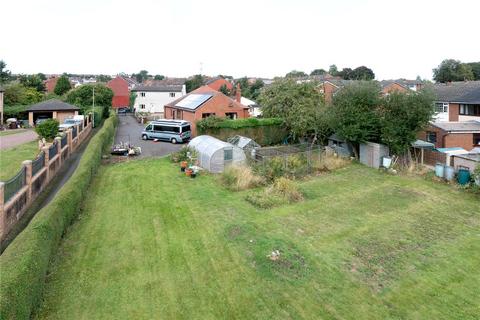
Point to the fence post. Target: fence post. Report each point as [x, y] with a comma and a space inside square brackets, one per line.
[2, 211]
[69, 141]
[28, 178]
[58, 140]
[47, 162]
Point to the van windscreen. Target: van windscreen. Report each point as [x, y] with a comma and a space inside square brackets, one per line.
[186, 128]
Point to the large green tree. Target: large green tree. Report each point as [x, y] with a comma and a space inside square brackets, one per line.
[63, 85]
[141, 76]
[295, 74]
[403, 116]
[318, 72]
[299, 105]
[361, 73]
[83, 97]
[475, 69]
[194, 82]
[4, 73]
[452, 70]
[32, 81]
[17, 94]
[354, 113]
[103, 78]
[159, 77]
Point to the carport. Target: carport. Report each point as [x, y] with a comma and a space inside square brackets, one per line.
[54, 109]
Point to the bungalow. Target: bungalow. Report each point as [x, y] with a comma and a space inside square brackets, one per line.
[462, 134]
[121, 94]
[52, 108]
[153, 98]
[457, 101]
[204, 102]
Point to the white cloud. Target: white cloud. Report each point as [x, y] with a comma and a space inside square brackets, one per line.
[258, 38]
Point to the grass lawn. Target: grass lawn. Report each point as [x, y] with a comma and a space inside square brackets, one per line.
[11, 159]
[153, 244]
[9, 132]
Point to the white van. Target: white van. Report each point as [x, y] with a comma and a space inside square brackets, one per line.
[168, 130]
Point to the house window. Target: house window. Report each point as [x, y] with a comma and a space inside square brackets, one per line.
[476, 139]
[441, 107]
[431, 137]
[172, 94]
[142, 106]
[231, 115]
[142, 94]
[469, 110]
[227, 154]
[208, 114]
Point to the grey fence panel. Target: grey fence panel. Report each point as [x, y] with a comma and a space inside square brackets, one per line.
[52, 151]
[14, 185]
[64, 141]
[38, 163]
[74, 132]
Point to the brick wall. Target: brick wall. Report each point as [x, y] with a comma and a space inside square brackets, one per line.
[453, 111]
[431, 157]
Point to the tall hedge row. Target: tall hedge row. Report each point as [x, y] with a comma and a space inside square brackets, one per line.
[265, 131]
[25, 262]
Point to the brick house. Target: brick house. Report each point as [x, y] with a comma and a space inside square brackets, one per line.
[121, 94]
[218, 82]
[457, 101]
[204, 102]
[153, 97]
[463, 134]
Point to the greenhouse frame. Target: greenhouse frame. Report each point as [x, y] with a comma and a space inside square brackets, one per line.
[215, 155]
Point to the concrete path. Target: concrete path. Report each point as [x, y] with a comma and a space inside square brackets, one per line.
[13, 140]
[130, 130]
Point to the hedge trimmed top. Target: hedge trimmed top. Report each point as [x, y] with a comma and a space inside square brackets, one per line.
[217, 123]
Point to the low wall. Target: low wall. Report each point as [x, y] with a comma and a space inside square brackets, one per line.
[466, 161]
[432, 157]
[13, 207]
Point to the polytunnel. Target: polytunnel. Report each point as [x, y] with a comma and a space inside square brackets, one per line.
[214, 154]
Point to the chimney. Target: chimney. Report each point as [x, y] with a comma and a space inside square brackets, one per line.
[238, 93]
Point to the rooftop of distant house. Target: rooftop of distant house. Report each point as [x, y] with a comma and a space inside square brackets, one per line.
[459, 126]
[458, 92]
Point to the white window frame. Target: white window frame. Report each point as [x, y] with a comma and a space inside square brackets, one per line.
[142, 94]
[444, 107]
[172, 94]
[142, 106]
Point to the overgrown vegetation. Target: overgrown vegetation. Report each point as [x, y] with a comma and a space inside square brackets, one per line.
[25, 262]
[184, 154]
[237, 178]
[282, 191]
[83, 97]
[48, 129]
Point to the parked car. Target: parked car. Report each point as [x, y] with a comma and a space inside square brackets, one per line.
[123, 111]
[168, 130]
[41, 119]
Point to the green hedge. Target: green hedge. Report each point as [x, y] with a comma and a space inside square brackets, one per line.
[265, 131]
[25, 262]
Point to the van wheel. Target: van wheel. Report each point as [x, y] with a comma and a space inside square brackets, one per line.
[144, 137]
[174, 141]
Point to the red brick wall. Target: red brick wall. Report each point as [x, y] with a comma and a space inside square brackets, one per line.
[453, 111]
[462, 140]
[50, 84]
[120, 92]
[431, 157]
[440, 136]
[120, 101]
[328, 90]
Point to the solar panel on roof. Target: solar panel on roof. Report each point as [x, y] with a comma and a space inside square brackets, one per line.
[193, 101]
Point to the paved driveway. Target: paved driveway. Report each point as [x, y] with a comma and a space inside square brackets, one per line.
[15, 139]
[130, 130]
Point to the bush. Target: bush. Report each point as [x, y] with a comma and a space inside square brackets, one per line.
[282, 191]
[182, 154]
[329, 162]
[48, 129]
[25, 262]
[238, 178]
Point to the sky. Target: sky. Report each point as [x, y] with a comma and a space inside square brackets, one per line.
[255, 38]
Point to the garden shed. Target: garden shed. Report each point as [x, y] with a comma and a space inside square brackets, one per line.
[214, 154]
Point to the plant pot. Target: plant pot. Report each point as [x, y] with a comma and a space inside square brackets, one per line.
[188, 172]
[183, 164]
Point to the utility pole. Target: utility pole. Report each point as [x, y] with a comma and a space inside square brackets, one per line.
[93, 109]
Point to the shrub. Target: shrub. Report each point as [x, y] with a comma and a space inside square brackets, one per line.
[25, 262]
[48, 129]
[282, 191]
[238, 178]
[182, 154]
[329, 162]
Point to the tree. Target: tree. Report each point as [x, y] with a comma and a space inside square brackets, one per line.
[402, 116]
[195, 82]
[48, 129]
[361, 73]
[452, 70]
[63, 86]
[299, 105]
[318, 72]
[295, 74]
[255, 89]
[475, 69]
[32, 81]
[42, 76]
[141, 76]
[345, 73]
[4, 73]
[83, 97]
[333, 70]
[132, 98]
[158, 77]
[224, 90]
[103, 78]
[18, 94]
[354, 114]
